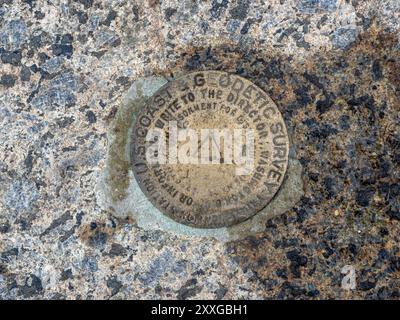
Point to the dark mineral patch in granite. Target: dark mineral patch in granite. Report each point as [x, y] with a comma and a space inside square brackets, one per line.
[32, 287]
[218, 8]
[8, 80]
[91, 116]
[114, 285]
[117, 250]
[66, 274]
[190, 289]
[63, 45]
[25, 74]
[241, 10]
[57, 222]
[169, 12]
[11, 57]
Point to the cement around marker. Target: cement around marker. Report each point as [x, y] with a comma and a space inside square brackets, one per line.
[118, 191]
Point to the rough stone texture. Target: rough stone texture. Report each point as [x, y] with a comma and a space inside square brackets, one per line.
[331, 67]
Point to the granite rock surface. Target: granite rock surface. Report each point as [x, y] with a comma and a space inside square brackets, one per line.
[331, 66]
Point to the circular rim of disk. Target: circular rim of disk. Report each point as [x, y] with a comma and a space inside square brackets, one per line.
[247, 143]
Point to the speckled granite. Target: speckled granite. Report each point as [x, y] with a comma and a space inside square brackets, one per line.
[331, 66]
